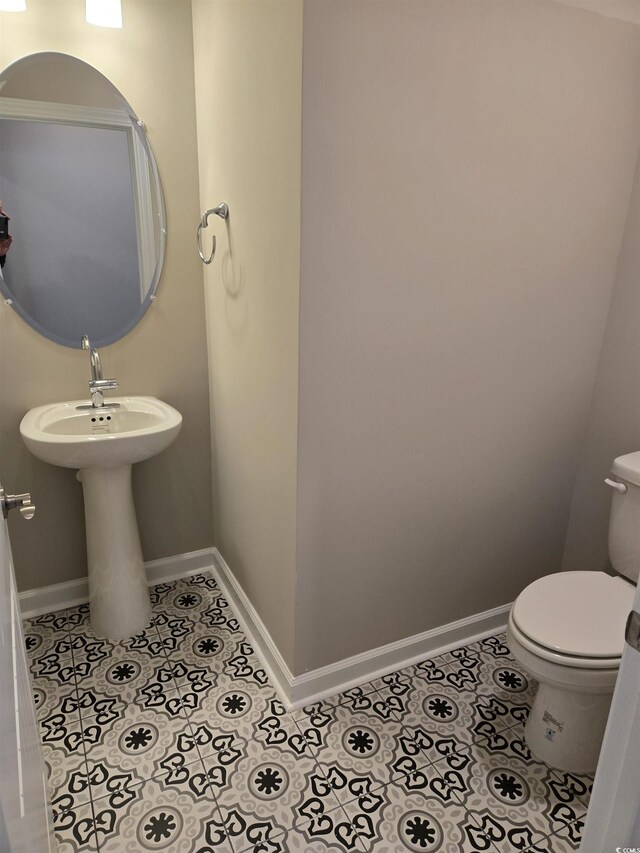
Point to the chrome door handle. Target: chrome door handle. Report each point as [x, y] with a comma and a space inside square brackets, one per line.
[632, 631]
[9, 502]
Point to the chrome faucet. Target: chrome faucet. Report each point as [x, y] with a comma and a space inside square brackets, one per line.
[97, 385]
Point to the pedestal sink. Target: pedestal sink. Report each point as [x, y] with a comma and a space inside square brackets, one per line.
[103, 444]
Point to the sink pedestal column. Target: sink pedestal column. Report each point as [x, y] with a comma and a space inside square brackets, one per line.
[118, 593]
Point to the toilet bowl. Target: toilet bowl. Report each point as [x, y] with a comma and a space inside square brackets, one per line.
[567, 631]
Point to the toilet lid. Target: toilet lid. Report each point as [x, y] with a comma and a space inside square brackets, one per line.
[576, 613]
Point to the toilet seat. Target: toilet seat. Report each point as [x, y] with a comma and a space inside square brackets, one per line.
[543, 653]
[574, 618]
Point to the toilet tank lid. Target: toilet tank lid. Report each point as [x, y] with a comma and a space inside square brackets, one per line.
[627, 467]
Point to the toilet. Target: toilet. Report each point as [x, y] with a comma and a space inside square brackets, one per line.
[567, 632]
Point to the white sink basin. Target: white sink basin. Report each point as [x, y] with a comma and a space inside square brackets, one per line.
[104, 444]
[62, 435]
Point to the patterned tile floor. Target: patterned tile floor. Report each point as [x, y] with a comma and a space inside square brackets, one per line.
[175, 741]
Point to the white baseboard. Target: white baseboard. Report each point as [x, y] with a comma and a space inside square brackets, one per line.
[359, 669]
[279, 673]
[300, 690]
[33, 602]
[297, 691]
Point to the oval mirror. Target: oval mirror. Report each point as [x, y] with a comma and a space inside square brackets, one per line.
[81, 185]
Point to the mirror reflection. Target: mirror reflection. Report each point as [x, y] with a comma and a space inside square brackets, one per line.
[79, 181]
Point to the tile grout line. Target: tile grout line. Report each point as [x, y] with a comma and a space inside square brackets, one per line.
[379, 788]
[201, 758]
[319, 769]
[92, 798]
[84, 746]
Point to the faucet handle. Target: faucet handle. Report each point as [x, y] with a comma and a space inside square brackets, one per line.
[103, 384]
[84, 343]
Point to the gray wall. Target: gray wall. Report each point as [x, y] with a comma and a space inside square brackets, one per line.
[248, 93]
[614, 420]
[151, 61]
[466, 176]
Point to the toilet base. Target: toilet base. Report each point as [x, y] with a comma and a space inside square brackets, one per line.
[565, 728]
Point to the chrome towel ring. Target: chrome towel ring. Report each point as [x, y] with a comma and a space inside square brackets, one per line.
[221, 210]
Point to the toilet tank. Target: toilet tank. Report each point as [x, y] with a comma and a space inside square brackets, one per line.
[624, 521]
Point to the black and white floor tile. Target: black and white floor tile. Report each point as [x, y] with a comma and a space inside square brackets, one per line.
[175, 741]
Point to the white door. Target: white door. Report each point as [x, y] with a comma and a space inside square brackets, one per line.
[613, 819]
[24, 811]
